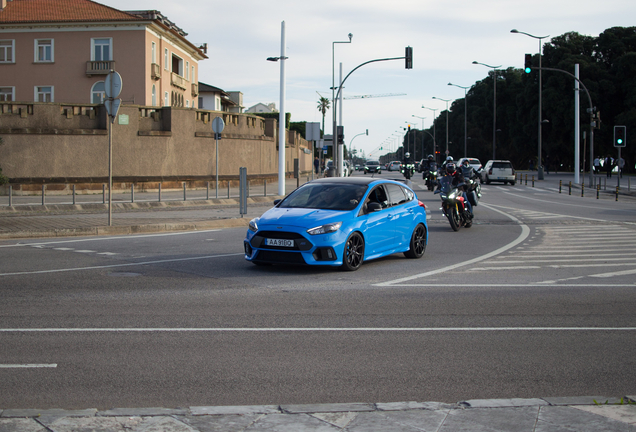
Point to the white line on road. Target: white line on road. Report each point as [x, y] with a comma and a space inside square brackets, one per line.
[618, 273]
[306, 329]
[525, 231]
[27, 365]
[109, 238]
[119, 265]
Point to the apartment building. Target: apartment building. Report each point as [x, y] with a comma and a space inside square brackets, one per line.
[62, 50]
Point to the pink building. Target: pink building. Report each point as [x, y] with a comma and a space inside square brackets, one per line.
[62, 50]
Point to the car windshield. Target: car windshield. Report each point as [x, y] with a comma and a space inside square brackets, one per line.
[373, 163]
[328, 196]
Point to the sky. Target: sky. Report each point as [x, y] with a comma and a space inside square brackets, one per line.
[446, 37]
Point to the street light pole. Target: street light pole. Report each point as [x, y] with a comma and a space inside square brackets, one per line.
[434, 134]
[447, 101]
[494, 105]
[334, 132]
[422, 133]
[465, 117]
[281, 114]
[539, 164]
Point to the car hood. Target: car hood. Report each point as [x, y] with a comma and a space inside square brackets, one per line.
[301, 217]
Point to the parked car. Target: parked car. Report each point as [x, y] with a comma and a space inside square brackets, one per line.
[373, 167]
[498, 171]
[394, 166]
[339, 222]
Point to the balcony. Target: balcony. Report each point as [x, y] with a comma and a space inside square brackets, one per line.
[177, 81]
[195, 90]
[99, 67]
[155, 71]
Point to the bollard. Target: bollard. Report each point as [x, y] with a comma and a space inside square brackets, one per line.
[598, 190]
[560, 185]
[526, 179]
[207, 190]
[73, 194]
[616, 193]
[103, 194]
[532, 181]
[132, 193]
[43, 189]
[184, 191]
[582, 189]
[248, 188]
[10, 196]
[159, 192]
[265, 187]
[228, 189]
[570, 189]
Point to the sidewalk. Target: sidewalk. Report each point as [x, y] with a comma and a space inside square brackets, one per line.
[487, 415]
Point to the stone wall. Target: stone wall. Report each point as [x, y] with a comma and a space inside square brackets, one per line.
[68, 143]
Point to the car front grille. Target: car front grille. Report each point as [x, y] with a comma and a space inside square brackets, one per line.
[280, 257]
[300, 242]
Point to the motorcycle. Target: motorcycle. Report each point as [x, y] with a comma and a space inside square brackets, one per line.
[473, 185]
[430, 175]
[453, 205]
[407, 170]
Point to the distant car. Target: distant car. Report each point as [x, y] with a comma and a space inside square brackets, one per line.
[357, 167]
[473, 162]
[339, 222]
[498, 171]
[373, 167]
[394, 166]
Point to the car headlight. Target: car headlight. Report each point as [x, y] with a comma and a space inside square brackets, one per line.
[253, 226]
[324, 229]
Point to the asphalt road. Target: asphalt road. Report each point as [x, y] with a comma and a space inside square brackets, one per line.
[537, 299]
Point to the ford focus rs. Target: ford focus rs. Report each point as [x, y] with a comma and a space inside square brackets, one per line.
[339, 222]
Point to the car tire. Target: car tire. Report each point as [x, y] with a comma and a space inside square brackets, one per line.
[487, 180]
[512, 183]
[417, 247]
[353, 253]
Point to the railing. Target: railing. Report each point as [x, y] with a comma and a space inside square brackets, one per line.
[177, 80]
[99, 67]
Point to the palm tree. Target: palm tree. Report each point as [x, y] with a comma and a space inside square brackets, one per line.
[323, 106]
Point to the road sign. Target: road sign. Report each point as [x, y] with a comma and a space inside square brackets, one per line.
[112, 85]
[312, 131]
[218, 125]
[112, 106]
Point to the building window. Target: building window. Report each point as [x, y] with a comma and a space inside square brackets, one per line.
[165, 99]
[153, 52]
[177, 65]
[166, 57]
[102, 49]
[44, 50]
[6, 94]
[44, 94]
[98, 93]
[187, 71]
[6, 51]
[154, 95]
[187, 103]
[193, 80]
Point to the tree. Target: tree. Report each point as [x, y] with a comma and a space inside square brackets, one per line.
[323, 106]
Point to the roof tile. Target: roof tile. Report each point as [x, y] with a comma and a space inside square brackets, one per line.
[36, 11]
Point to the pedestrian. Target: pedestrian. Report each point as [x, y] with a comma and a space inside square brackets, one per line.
[597, 165]
[621, 165]
[608, 166]
[317, 165]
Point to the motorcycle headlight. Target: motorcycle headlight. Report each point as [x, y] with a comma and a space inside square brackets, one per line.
[324, 229]
[253, 226]
[452, 196]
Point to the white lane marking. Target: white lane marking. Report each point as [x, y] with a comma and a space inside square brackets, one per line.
[578, 259]
[110, 238]
[543, 201]
[84, 251]
[596, 255]
[571, 205]
[525, 231]
[107, 253]
[119, 265]
[27, 365]
[307, 329]
[63, 249]
[618, 273]
[504, 268]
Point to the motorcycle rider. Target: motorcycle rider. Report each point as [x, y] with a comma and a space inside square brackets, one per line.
[458, 179]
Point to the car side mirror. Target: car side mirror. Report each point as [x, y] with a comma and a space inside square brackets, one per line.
[374, 207]
[276, 201]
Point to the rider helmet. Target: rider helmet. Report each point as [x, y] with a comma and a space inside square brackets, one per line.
[465, 163]
[451, 168]
[430, 157]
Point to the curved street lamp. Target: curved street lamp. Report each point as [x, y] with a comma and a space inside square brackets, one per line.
[434, 141]
[539, 165]
[447, 101]
[494, 105]
[465, 117]
[422, 118]
[337, 163]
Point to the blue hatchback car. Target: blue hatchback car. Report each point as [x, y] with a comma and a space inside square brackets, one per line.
[339, 222]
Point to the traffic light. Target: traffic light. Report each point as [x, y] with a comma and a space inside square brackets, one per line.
[408, 56]
[340, 133]
[620, 139]
[527, 66]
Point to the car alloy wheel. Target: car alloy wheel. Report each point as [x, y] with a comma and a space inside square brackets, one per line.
[353, 252]
[418, 243]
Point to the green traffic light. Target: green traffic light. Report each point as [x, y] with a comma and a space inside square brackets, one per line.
[528, 70]
[620, 141]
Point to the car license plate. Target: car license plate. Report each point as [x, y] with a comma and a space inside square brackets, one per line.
[279, 242]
